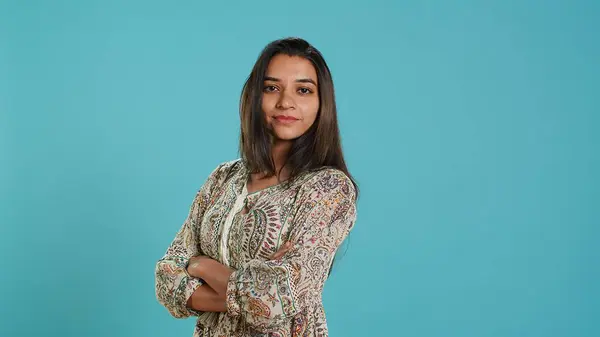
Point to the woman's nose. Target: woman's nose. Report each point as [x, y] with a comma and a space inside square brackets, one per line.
[285, 101]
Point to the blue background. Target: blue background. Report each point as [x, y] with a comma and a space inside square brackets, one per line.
[471, 126]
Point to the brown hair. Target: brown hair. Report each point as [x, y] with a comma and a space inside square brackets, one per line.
[320, 146]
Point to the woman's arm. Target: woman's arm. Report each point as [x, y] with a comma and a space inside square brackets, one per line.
[205, 298]
[173, 284]
[216, 275]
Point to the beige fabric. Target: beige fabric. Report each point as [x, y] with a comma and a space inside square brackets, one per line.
[264, 297]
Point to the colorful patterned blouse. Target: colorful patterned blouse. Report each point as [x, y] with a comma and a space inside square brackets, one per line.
[242, 230]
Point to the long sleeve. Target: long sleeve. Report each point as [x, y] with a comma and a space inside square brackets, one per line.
[173, 284]
[268, 293]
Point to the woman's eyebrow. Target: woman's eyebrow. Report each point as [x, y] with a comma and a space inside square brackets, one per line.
[300, 80]
[306, 80]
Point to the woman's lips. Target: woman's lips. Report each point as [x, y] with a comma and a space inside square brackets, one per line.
[285, 119]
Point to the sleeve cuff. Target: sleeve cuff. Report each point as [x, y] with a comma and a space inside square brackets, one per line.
[192, 284]
[187, 285]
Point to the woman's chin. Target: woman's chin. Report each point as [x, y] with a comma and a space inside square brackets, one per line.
[287, 135]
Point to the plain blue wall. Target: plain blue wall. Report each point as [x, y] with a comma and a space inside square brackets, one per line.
[471, 126]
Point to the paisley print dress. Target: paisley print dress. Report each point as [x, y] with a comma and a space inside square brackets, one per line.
[315, 211]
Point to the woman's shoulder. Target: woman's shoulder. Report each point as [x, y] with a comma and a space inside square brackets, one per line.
[225, 170]
[328, 180]
[230, 165]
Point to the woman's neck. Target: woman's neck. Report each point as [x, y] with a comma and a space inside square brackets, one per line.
[280, 153]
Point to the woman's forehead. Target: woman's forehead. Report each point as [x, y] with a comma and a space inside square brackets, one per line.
[291, 67]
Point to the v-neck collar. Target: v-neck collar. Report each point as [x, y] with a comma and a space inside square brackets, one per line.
[245, 178]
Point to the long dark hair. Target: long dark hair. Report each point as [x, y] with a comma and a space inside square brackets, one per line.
[320, 146]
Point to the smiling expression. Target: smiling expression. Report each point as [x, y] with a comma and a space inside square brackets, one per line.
[290, 98]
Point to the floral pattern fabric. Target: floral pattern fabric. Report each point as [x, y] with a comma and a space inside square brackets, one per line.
[265, 297]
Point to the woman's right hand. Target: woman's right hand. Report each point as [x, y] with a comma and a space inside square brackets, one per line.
[282, 250]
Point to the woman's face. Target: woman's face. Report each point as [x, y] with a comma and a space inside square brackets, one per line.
[290, 99]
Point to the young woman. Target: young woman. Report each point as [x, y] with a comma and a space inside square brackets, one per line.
[252, 257]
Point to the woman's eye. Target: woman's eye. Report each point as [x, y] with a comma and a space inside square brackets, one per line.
[305, 91]
[270, 88]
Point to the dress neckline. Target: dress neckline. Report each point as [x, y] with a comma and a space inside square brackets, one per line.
[246, 179]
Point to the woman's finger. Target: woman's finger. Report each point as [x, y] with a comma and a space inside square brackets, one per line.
[278, 254]
[282, 250]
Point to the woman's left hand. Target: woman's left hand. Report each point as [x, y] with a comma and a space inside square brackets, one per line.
[195, 265]
[213, 273]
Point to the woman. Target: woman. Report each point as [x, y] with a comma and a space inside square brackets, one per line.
[253, 255]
